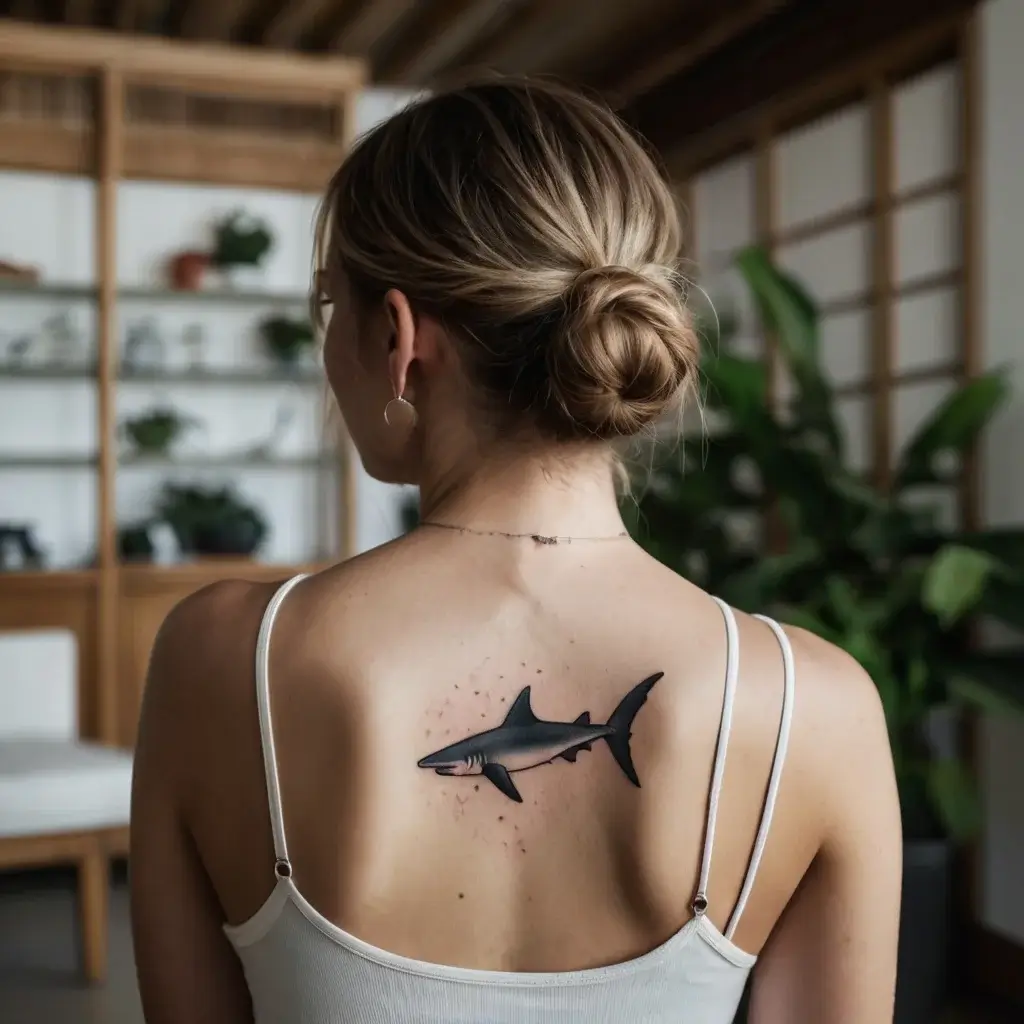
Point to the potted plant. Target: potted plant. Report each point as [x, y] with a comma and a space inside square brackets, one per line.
[241, 241]
[212, 521]
[155, 432]
[287, 338]
[873, 570]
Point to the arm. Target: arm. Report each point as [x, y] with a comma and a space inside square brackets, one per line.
[188, 973]
[831, 958]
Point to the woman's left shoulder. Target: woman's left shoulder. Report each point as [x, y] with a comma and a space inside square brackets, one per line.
[201, 669]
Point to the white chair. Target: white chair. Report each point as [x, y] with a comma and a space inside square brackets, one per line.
[62, 800]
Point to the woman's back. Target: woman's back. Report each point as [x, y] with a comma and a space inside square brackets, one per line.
[496, 757]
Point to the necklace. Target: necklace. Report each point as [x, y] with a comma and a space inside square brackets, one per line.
[538, 538]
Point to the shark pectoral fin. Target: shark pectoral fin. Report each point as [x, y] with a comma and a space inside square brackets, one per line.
[498, 774]
[570, 754]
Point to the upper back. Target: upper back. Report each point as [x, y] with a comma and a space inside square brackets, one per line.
[379, 663]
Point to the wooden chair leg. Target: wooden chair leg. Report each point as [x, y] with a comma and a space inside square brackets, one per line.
[93, 911]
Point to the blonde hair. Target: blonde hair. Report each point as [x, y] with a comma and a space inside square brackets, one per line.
[532, 222]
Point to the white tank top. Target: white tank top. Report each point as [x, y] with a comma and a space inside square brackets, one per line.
[303, 969]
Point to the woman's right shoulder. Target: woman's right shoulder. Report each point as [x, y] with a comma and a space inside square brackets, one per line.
[840, 738]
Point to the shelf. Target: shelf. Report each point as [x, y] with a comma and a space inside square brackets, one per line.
[59, 579]
[231, 461]
[54, 372]
[47, 290]
[220, 296]
[226, 376]
[238, 461]
[140, 576]
[89, 292]
[32, 462]
[303, 378]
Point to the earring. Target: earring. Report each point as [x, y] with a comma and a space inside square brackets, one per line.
[404, 410]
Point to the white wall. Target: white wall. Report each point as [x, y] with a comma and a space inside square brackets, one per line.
[48, 220]
[1002, 744]
[822, 168]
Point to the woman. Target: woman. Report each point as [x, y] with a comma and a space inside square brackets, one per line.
[507, 768]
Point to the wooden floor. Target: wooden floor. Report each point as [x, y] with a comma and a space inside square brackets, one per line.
[38, 956]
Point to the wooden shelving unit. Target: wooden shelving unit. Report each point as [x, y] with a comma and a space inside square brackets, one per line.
[112, 108]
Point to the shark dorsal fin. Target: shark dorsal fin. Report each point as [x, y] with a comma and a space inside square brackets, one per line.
[521, 713]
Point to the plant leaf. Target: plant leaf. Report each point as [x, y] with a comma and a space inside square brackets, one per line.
[990, 680]
[1004, 600]
[785, 307]
[754, 589]
[788, 311]
[954, 796]
[953, 427]
[955, 581]
[737, 384]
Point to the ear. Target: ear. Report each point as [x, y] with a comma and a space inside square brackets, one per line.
[402, 343]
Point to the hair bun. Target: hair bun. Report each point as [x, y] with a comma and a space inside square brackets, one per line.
[624, 349]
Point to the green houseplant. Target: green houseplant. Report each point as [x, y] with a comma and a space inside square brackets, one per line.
[873, 570]
[155, 431]
[241, 241]
[286, 338]
[211, 521]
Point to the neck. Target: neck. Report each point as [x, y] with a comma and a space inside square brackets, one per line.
[553, 490]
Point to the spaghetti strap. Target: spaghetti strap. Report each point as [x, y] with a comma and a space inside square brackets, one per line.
[732, 669]
[282, 866]
[781, 746]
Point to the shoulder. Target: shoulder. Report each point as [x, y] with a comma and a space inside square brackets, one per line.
[201, 669]
[210, 625]
[838, 694]
[840, 734]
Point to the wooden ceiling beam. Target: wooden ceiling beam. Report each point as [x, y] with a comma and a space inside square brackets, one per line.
[79, 12]
[214, 20]
[652, 63]
[437, 37]
[138, 15]
[802, 43]
[357, 26]
[521, 24]
[287, 27]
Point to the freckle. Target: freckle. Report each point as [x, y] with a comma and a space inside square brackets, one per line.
[523, 848]
[456, 686]
[476, 693]
[502, 700]
[462, 895]
[477, 788]
[539, 671]
[447, 731]
[501, 677]
[428, 732]
[523, 663]
[501, 817]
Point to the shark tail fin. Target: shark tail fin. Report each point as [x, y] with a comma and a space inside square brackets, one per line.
[621, 723]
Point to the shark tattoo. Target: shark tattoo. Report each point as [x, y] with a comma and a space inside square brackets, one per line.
[524, 741]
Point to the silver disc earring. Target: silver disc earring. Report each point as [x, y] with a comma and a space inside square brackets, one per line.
[400, 409]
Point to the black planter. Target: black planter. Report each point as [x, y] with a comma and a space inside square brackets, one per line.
[925, 932]
[238, 537]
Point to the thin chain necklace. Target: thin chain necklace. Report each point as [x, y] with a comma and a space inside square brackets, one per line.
[538, 538]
